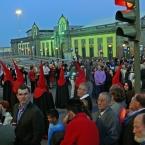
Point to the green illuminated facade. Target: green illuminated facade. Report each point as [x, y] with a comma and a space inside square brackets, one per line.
[66, 41]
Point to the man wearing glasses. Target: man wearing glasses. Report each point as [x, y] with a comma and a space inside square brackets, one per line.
[28, 118]
[83, 95]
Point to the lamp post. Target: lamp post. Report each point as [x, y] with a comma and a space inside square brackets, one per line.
[56, 51]
[110, 55]
[32, 50]
[124, 50]
[18, 13]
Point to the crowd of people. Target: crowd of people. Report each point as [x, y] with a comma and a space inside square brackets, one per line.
[119, 118]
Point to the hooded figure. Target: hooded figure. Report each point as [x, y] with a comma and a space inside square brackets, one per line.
[62, 92]
[7, 87]
[16, 83]
[81, 78]
[42, 97]
[19, 78]
[116, 77]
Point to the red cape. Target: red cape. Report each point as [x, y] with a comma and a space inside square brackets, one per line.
[20, 79]
[41, 84]
[61, 81]
[7, 72]
[116, 77]
[81, 78]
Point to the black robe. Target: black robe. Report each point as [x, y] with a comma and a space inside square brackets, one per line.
[45, 102]
[7, 92]
[62, 96]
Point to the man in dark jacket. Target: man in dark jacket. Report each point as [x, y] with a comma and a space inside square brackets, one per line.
[107, 121]
[28, 118]
[83, 95]
[127, 137]
[139, 128]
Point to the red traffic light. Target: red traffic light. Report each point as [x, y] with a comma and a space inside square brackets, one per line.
[129, 4]
[120, 2]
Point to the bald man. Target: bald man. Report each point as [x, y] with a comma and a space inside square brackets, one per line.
[139, 128]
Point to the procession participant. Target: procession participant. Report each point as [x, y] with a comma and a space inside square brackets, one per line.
[7, 86]
[62, 92]
[42, 97]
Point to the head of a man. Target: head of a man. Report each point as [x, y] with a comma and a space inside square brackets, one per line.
[117, 93]
[133, 105]
[104, 101]
[23, 94]
[82, 89]
[137, 102]
[75, 106]
[53, 116]
[139, 128]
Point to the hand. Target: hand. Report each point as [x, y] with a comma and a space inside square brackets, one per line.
[66, 119]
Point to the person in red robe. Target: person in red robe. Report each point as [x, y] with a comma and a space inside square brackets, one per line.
[62, 92]
[7, 86]
[116, 77]
[42, 97]
[16, 83]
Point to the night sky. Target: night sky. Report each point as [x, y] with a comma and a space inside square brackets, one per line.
[46, 13]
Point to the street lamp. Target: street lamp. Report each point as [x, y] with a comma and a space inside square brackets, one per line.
[56, 52]
[110, 54]
[124, 50]
[32, 51]
[123, 45]
[18, 13]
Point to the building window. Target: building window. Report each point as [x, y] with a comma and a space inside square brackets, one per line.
[47, 46]
[109, 40]
[76, 43]
[100, 46]
[83, 52]
[109, 48]
[83, 42]
[52, 51]
[91, 41]
[91, 51]
[43, 49]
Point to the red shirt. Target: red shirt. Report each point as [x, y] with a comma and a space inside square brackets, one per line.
[31, 75]
[81, 131]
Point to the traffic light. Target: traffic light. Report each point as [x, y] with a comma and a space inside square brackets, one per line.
[131, 29]
[120, 2]
[131, 16]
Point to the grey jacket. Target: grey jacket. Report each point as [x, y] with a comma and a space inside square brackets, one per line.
[108, 125]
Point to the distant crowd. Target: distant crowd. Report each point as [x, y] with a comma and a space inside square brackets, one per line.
[80, 85]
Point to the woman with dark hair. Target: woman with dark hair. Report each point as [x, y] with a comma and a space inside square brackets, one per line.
[129, 91]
